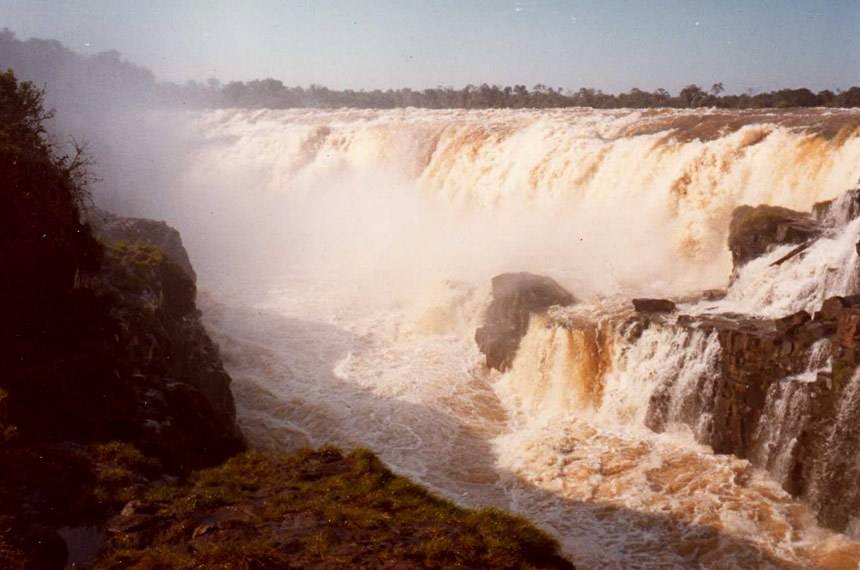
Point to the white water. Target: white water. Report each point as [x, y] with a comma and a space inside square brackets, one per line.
[346, 257]
[788, 399]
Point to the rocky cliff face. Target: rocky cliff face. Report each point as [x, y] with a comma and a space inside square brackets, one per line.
[182, 408]
[774, 399]
[100, 341]
[125, 358]
[782, 392]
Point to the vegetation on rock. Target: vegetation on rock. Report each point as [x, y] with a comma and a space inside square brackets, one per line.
[98, 343]
[315, 509]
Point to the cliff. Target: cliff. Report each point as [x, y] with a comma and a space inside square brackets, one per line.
[113, 398]
[100, 341]
[785, 390]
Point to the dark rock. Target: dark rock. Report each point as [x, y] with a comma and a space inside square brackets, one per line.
[754, 353]
[756, 230]
[112, 228]
[831, 308]
[102, 352]
[814, 438]
[515, 297]
[653, 305]
[787, 324]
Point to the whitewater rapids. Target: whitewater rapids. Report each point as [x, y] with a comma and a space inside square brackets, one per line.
[346, 255]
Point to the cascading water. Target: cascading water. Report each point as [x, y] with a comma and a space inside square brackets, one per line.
[787, 410]
[346, 255]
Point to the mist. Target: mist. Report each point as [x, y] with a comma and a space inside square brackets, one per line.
[344, 258]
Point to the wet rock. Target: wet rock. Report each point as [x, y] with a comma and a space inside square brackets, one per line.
[515, 297]
[813, 436]
[840, 210]
[756, 230]
[831, 308]
[653, 305]
[754, 353]
[787, 324]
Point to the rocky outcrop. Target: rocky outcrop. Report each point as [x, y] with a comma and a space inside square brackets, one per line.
[111, 228]
[181, 407]
[755, 230]
[515, 297]
[101, 346]
[770, 397]
[653, 305]
[121, 356]
[841, 209]
[785, 392]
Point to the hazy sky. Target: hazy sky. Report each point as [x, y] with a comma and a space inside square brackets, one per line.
[608, 44]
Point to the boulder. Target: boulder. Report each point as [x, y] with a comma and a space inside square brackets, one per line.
[653, 305]
[515, 297]
[756, 230]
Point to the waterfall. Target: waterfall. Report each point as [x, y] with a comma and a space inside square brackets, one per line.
[345, 256]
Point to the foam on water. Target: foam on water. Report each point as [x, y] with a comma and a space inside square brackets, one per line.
[346, 255]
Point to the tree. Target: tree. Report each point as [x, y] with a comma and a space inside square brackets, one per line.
[691, 95]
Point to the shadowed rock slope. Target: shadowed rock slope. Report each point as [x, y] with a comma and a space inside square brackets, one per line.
[100, 341]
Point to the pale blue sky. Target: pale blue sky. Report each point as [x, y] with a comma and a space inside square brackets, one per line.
[609, 44]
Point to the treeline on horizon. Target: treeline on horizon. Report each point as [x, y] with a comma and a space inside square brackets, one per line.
[272, 93]
[106, 79]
